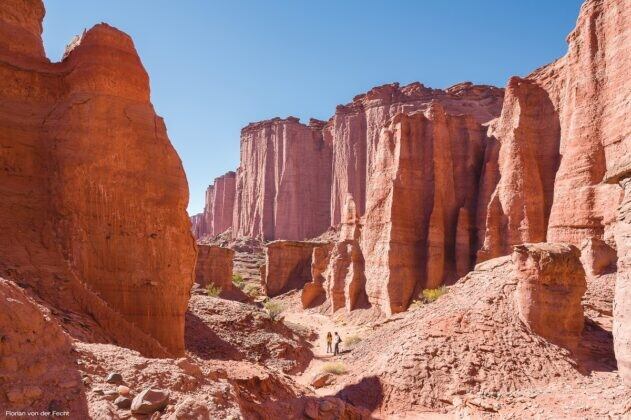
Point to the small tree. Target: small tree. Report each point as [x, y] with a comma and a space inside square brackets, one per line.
[212, 290]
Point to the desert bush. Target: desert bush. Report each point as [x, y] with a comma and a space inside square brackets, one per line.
[238, 281]
[335, 368]
[430, 295]
[273, 309]
[253, 290]
[212, 290]
[352, 340]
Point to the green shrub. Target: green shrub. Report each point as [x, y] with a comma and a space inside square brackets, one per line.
[273, 309]
[352, 340]
[335, 368]
[253, 290]
[212, 290]
[238, 281]
[430, 295]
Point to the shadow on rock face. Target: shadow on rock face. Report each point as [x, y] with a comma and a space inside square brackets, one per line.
[595, 350]
[367, 393]
[205, 343]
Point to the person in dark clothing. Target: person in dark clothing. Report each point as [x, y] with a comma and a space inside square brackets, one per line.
[329, 342]
[336, 343]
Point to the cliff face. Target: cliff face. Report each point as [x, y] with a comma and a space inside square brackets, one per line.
[355, 128]
[416, 231]
[521, 172]
[94, 194]
[218, 209]
[283, 182]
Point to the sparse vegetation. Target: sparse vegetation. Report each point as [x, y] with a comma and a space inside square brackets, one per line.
[273, 309]
[335, 368]
[238, 281]
[430, 295]
[212, 290]
[252, 290]
[352, 340]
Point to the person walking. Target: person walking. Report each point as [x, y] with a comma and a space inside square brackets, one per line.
[336, 343]
[329, 342]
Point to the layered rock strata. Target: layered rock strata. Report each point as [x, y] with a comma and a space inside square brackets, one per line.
[283, 181]
[94, 193]
[551, 283]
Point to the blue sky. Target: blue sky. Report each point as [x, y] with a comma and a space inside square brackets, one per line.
[216, 66]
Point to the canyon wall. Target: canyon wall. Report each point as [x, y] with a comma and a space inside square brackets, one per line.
[423, 188]
[93, 216]
[218, 209]
[283, 181]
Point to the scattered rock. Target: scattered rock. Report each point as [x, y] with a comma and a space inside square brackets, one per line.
[149, 401]
[114, 378]
[123, 390]
[122, 402]
[322, 379]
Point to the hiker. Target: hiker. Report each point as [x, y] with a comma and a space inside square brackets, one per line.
[329, 342]
[337, 342]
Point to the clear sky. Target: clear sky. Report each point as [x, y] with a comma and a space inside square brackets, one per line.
[216, 66]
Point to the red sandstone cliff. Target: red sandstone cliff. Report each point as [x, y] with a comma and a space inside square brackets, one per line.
[355, 128]
[218, 209]
[416, 231]
[93, 213]
[283, 181]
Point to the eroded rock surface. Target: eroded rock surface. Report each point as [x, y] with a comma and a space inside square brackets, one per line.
[38, 369]
[551, 284]
[214, 266]
[94, 208]
[283, 181]
[287, 266]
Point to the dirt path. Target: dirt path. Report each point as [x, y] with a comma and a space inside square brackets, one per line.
[321, 324]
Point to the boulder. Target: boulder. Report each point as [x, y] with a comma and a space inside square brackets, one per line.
[149, 401]
[598, 257]
[551, 284]
[322, 379]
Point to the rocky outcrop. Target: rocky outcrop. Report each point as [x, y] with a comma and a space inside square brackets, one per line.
[622, 298]
[589, 88]
[38, 369]
[355, 128]
[551, 284]
[94, 195]
[527, 133]
[423, 188]
[468, 343]
[287, 266]
[214, 266]
[283, 181]
[598, 257]
[218, 209]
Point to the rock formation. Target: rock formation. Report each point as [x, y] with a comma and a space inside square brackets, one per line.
[337, 269]
[527, 133]
[470, 341]
[287, 266]
[38, 370]
[422, 186]
[283, 181]
[551, 283]
[94, 194]
[214, 266]
[218, 209]
[355, 129]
